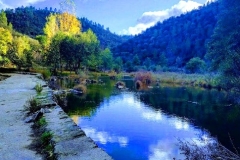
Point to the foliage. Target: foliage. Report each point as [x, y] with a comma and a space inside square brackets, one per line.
[195, 65]
[106, 59]
[4, 21]
[206, 150]
[41, 122]
[65, 22]
[171, 43]
[20, 52]
[201, 80]
[224, 46]
[118, 64]
[46, 137]
[38, 88]
[144, 77]
[5, 40]
[45, 72]
[31, 21]
[33, 105]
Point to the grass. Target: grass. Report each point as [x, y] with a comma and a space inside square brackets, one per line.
[32, 105]
[46, 143]
[41, 122]
[42, 141]
[201, 80]
[46, 137]
[42, 70]
[38, 88]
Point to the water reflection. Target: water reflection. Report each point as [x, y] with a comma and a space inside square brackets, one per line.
[124, 120]
[164, 150]
[152, 116]
[148, 124]
[104, 137]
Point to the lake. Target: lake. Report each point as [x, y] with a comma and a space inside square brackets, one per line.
[148, 124]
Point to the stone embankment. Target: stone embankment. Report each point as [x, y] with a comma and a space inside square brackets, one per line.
[70, 142]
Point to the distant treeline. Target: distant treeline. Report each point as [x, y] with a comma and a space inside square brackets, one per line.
[173, 42]
[31, 21]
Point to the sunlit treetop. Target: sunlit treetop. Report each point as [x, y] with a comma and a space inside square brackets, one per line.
[65, 22]
[5, 39]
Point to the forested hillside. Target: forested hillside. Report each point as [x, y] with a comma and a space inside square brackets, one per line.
[172, 43]
[31, 21]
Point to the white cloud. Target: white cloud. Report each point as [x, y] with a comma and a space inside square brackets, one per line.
[152, 116]
[149, 19]
[4, 5]
[13, 4]
[104, 137]
[165, 149]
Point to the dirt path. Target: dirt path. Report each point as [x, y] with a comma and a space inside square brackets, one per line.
[15, 135]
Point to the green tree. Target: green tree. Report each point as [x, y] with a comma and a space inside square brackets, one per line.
[136, 60]
[106, 59]
[224, 47]
[4, 21]
[118, 64]
[195, 65]
[54, 56]
[20, 52]
[147, 62]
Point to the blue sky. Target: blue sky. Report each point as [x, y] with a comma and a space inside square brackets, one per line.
[121, 16]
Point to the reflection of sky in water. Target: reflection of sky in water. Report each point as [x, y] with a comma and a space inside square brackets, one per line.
[125, 126]
[104, 137]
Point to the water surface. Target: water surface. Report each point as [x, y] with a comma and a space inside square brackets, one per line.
[147, 124]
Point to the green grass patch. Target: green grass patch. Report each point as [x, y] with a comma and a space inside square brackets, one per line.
[38, 88]
[201, 80]
[41, 122]
[32, 105]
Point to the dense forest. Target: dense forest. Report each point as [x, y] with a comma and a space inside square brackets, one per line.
[30, 21]
[172, 43]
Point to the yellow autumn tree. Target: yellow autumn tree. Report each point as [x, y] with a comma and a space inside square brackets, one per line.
[5, 39]
[68, 23]
[65, 23]
[51, 27]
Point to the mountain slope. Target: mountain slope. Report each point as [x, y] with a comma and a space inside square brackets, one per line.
[173, 42]
[30, 21]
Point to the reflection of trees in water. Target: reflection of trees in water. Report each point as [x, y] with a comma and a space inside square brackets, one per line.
[86, 105]
[207, 109]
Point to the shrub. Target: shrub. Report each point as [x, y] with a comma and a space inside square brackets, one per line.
[46, 73]
[33, 105]
[41, 122]
[46, 137]
[195, 65]
[144, 77]
[38, 88]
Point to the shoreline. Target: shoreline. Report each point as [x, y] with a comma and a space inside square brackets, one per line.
[67, 137]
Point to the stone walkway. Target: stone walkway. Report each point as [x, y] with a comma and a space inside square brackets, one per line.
[15, 135]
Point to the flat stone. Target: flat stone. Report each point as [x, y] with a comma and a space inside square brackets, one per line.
[70, 141]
